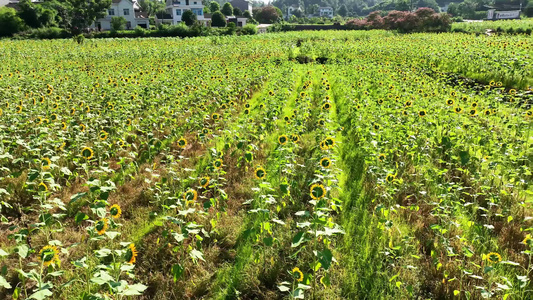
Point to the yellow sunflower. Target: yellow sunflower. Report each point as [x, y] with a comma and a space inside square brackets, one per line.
[325, 162]
[182, 143]
[282, 139]
[115, 211]
[101, 226]
[42, 187]
[391, 177]
[494, 257]
[45, 163]
[218, 163]
[295, 138]
[87, 153]
[204, 181]
[528, 240]
[103, 135]
[131, 254]
[190, 195]
[49, 255]
[260, 173]
[317, 191]
[297, 274]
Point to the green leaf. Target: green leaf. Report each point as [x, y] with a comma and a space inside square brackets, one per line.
[284, 288]
[298, 294]
[41, 294]
[22, 250]
[112, 234]
[177, 271]
[298, 239]
[3, 253]
[80, 217]
[325, 257]
[456, 292]
[195, 254]
[465, 157]
[4, 283]
[77, 197]
[134, 289]
[268, 241]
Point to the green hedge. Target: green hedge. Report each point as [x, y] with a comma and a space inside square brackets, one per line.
[163, 31]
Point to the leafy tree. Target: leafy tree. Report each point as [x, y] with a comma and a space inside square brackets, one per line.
[227, 9]
[429, 3]
[404, 5]
[118, 23]
[237, 11]
[247, 14]
[10, 23]
[313, 9]
[214, 6]
[151, 7]
[343, 10]
[529, 10]
[453, 9]
[267, 14]
[218, 19]
[36, 16]
[84, 12]
[188, 17]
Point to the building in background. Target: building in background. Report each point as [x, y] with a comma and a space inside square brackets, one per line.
[326, 12]
[176, 8]
[243, 5]
[123, 8]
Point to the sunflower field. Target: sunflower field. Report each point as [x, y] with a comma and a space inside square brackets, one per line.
[302, 165]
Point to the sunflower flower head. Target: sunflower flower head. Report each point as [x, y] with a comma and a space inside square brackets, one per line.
[528, 240]
[190, 196]
[282, 139]
[42, 187]
[297, 274]
[325, 162]
[45, 163]
[260, 173]
[182, 143]
[49, 255]
[494, 257]
[115, 211]
[204, 181]
[317, 191]
[101, 226]
[131, 254]
[218, 163]
[87, 153]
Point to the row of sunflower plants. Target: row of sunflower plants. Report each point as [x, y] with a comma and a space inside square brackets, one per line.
[447, 172]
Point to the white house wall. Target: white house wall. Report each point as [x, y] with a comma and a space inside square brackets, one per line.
[119, 12]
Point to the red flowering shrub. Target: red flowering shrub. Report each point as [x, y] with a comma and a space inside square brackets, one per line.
[422, 20]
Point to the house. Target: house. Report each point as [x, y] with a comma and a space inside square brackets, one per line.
[176, 8]
[163, 18]
[123, 8]
[294, 10]
[326, 12]
[239, 21]
[243, 5]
